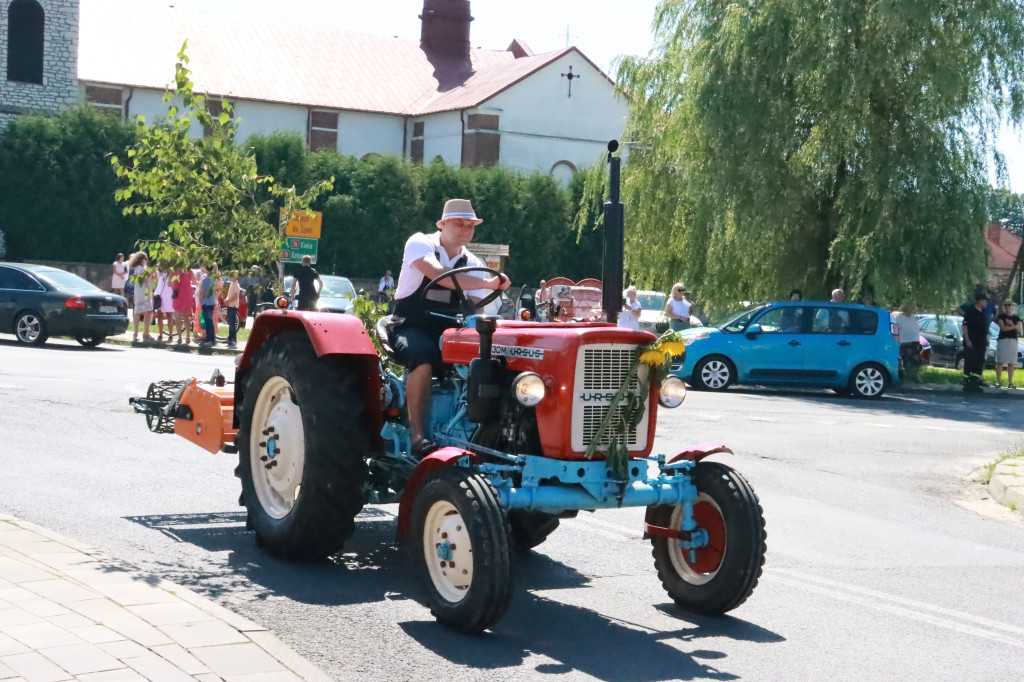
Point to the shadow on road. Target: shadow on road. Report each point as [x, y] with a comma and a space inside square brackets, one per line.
[372, 568]
[68, 345]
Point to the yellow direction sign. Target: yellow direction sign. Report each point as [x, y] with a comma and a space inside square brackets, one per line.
[303, 224]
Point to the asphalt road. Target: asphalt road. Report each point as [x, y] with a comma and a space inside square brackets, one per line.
[883, 563]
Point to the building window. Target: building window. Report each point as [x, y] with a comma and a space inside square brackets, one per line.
[323, 130]
[481, 143]
[25, 21]
[215, 105]
[416, 146]
[107, 100]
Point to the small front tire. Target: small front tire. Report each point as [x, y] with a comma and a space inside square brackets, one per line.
[461, 536]
[714, 373]
[724, 573]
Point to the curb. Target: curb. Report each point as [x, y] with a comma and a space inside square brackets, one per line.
[1007, 484]
[174, 348]
[957, 389]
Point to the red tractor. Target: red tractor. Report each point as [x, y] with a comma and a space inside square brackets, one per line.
[537, 422]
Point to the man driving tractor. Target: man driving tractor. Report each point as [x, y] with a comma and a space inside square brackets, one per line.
[416, 333]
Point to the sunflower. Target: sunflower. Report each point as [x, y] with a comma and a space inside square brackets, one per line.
[653, 358]
[673, 347]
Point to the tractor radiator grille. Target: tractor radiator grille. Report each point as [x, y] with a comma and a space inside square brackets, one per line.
[600, 371]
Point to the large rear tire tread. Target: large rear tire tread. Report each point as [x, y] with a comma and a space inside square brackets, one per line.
[328, 393]
[476, 501]
[745, 546]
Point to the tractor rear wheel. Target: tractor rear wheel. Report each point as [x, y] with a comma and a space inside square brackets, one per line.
[720, 576]
[460, 531]
[302, 444]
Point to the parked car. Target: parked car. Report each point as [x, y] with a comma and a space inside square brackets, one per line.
[945, 334]
[38, 301]
[335, 297]
[652, 316]
[846, 347]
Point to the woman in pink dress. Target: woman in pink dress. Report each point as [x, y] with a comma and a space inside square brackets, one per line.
[181, 283]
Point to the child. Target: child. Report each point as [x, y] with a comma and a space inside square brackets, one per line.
[231, 302]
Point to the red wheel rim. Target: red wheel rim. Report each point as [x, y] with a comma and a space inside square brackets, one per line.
[709, 558]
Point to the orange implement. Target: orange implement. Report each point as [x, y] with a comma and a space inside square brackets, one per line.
[213, 410]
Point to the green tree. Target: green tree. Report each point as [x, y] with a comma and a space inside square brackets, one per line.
[815, 143]
[57, 188]
[1005, 205]
[221, 209]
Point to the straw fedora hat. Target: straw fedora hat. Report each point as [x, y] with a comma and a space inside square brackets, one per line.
[458, 208]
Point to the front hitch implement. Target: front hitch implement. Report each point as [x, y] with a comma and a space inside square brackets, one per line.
[200, 412]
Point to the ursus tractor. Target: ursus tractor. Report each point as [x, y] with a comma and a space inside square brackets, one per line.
[536, 422]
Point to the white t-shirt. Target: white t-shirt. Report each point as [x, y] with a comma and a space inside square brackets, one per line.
[910, 330]
[385, 284]
[680, 307]
[418, 247]
[630, 316]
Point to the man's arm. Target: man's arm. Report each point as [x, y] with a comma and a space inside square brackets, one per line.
[319, 284]
[431, 268]
[295, 283]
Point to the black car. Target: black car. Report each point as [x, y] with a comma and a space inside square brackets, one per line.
[38, 301]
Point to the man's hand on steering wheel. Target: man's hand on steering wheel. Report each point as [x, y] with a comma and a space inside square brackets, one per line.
[469, 307]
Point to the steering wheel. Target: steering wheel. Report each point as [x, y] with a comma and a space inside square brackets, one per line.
[468, 306]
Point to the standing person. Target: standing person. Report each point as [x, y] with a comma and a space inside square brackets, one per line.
[163, 302]
[143, 295]
[309, 284]
[386, 284]
[910, 337]
[416, 333]
[631, 309]
[796, 295]
[120, 275]
[183, 302]
[208, 302]
[975, 330]
[1006, 345]
[232, 299]
[677, 308]
[251, 285]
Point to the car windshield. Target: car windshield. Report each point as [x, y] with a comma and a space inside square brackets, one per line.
[65, 280]
[336, 287]
[651, 301]
[738, 322]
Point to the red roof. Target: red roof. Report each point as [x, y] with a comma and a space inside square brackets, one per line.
[130, 43]
[1003, 247]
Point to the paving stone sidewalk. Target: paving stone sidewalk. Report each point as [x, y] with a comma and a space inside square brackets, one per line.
[67, 612]
[1007, 484]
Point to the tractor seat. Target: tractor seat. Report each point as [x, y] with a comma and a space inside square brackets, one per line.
[382, 334]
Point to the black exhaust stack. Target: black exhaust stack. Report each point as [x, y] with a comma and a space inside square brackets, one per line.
[614, 229]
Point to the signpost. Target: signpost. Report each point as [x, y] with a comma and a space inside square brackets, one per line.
[294, 248]
[302, 224]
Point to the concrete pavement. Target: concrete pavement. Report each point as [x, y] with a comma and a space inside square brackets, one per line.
[1007, 484]
[69, 613]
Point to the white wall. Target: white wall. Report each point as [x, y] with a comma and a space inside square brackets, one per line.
[361, 133]
[263, 118]
[442, 136]
[540, 125]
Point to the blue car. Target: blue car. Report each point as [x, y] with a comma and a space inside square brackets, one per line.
[847, 347]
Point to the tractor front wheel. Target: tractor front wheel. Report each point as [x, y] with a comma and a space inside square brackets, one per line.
[721, 575]
[302, 443]
[461, 536]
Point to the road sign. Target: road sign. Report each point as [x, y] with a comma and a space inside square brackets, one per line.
[294, 248]
[303, 224]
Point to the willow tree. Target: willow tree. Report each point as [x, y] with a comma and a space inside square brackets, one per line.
[818, 143]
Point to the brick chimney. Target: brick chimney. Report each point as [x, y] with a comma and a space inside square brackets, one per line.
[445, 28]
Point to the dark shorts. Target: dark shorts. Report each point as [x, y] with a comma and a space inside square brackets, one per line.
[415, 346]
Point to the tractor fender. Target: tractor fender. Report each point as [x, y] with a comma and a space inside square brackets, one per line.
[330, 333]
[438, 459]
[694, 453]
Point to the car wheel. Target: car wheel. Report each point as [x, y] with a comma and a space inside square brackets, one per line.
[869, 381]
[29, 328]
[714, 373]
[90, 341]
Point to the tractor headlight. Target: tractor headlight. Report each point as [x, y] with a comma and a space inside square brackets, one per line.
[672, 392]
[528, 388]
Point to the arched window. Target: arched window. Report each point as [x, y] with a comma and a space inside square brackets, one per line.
[25, 21]
[563, 171]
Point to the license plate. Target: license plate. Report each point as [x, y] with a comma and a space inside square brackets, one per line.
[111, 309]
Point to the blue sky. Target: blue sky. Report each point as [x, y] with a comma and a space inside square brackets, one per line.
[602, 29]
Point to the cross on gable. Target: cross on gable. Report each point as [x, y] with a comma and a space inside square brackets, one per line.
[570, 76]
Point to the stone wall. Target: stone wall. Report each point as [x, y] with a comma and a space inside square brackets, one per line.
[59, 89]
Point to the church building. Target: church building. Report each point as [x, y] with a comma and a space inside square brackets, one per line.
[359, 94]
